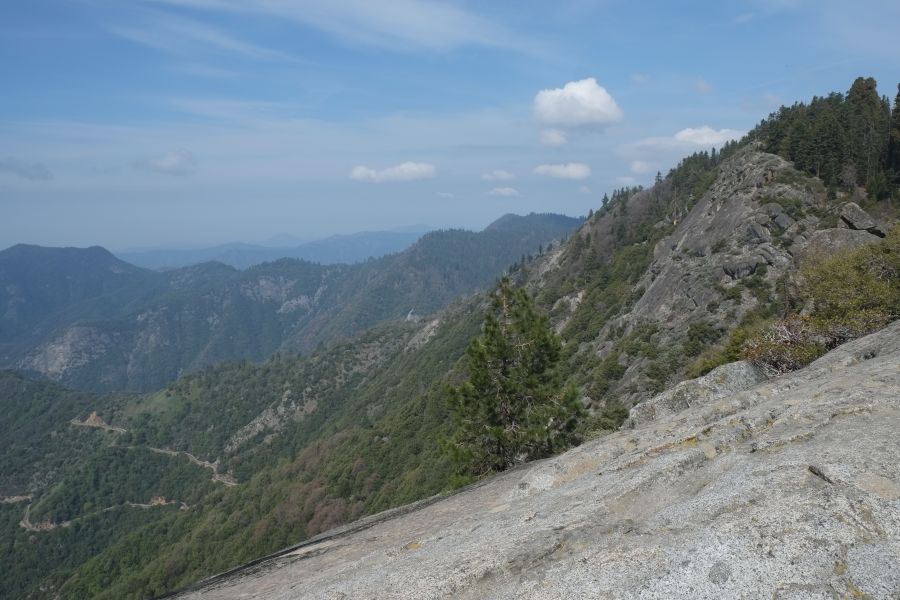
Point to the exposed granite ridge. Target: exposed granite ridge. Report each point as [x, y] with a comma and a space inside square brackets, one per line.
[789, 489]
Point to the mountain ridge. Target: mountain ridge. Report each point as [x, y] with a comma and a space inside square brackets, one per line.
[155, 326]
[340, 248]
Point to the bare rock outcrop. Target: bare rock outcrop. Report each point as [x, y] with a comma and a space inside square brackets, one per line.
[788, 489]
[720, 382]
[854, 217]
[825, 242]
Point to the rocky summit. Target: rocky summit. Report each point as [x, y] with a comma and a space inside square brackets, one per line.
[788, 488]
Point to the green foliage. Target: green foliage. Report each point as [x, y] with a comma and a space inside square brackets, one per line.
[696, 173]
[732, 294]
[640, 341]
[513, 407]
[894, 140]
[370, 444]
[843, 139]
[700, 335]
[610, 418]
[855, 288]
[719, 355]
[849, 294]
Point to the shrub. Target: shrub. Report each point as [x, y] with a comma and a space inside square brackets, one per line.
[855, 291]
[700, 335]
[847, 295]
[731, 351]
[613, 415]
[784, 346]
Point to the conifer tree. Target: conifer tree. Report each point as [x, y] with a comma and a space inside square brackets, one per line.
[513, 408]
[894, 144]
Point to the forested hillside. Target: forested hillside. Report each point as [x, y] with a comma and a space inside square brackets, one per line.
[846, 140]
[83, 318]
[658, 285]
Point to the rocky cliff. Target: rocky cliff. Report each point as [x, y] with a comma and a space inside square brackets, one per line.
[697, 267]
[787, 489]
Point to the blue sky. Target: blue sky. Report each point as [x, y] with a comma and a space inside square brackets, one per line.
[190, 122]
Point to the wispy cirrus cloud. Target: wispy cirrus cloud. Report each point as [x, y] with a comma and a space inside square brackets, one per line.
[397, 24]
[177, 162]
[702, 86]
[233, 111]
[553, 137]
[408, 171]
[187, 37]
[32, 171]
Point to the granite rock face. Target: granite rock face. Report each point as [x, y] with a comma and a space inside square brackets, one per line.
[738, 230]
[787, 489]
[854, 217]
[720, 382]
[825, 242]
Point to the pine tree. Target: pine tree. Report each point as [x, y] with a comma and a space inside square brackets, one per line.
[513, 408]
[868, 118]
[894, 144]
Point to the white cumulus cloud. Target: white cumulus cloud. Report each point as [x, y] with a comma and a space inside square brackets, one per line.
[577, 104]
[446, 195]
[505, 192]
[707, 136]
[645, 155]
[408, 171]
[553, 137]
[498, 175]
[584, 190]
[564, 171]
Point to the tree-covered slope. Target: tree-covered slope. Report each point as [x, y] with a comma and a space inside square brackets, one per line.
[847, 140]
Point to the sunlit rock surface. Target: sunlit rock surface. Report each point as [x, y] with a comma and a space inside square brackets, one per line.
[788, 489]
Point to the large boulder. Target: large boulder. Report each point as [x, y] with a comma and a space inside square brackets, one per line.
[825, 242]
[855, 217]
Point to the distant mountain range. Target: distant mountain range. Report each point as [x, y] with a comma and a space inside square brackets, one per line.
[348, 249]
[83, 317]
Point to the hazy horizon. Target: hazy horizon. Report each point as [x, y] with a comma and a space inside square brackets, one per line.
[200, 122]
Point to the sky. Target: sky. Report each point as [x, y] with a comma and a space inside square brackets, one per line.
[153, 123]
